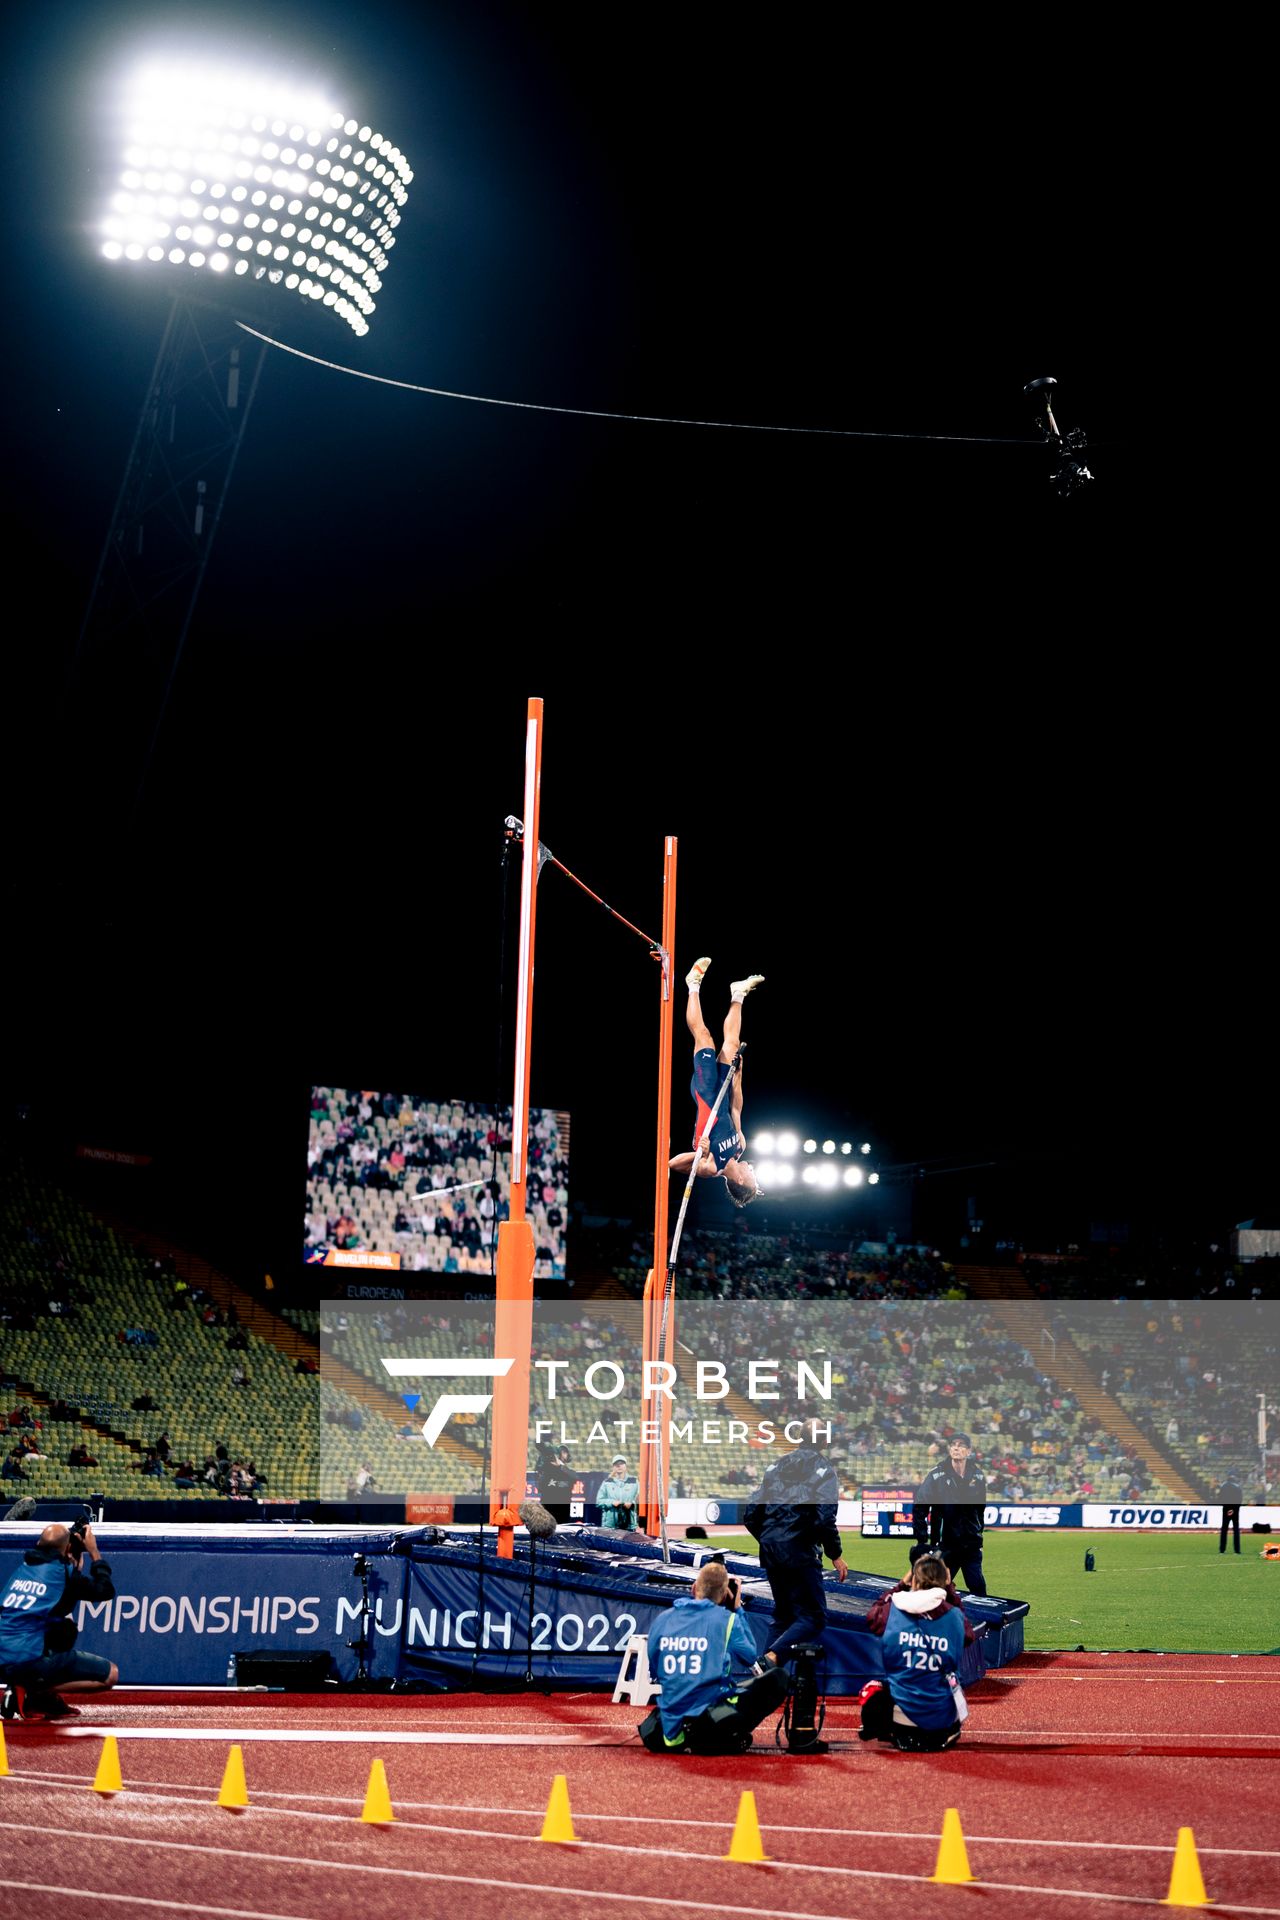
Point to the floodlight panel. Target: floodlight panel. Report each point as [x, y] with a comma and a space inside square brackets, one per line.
[196, 135]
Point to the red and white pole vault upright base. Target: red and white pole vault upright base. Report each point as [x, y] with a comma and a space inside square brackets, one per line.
[513, 1323]
[659, 1343]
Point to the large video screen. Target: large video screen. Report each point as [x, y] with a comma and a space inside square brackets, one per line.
[401, 1183]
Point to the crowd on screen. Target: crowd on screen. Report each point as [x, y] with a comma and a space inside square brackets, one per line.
[444, 1217]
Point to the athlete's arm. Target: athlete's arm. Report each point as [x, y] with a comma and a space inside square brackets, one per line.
[681, 1163]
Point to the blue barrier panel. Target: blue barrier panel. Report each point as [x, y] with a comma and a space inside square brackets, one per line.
[445, 1611]
[563, 1613]
[185, 1605]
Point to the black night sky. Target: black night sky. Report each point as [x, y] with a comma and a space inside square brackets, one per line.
[949, 758]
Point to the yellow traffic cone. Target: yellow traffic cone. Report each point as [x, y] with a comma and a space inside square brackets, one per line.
[377, 1799]
[558, 1824]
[746, 1844]
[1186, 1882]
[107, 1778]
[952, 1869]
[4, 1758]
[233, 1792]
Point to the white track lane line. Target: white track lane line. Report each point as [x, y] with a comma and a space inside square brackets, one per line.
[344, 1735]
[163, 1790]
[594, 1893]
[320, 1737]
[141, 1900]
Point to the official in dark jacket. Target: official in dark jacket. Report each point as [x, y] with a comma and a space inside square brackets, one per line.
[1230, 1493]
[556, 1481]
[38, 1660]
[793, 1516]
[948, 1514]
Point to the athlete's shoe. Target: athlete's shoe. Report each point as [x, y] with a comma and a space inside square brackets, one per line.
[693, 979]
[739, 989]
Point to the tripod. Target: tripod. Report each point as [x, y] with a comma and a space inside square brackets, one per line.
[360, 1647]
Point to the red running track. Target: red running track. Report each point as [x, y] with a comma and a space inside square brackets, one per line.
[1074, 1776]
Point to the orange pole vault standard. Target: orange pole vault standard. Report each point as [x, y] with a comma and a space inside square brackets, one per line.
[653, 1405]
[513, 1321]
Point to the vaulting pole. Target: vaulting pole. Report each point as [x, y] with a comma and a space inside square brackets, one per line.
[513, 1322]
[654, 1406]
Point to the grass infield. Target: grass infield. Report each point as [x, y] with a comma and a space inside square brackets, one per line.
[1167, 1592]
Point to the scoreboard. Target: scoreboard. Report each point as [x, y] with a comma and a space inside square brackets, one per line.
[886, 1511]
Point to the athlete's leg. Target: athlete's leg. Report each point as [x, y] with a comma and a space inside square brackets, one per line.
[693, 1012]
[738, 991]
[732, 1031]
[697, 1025]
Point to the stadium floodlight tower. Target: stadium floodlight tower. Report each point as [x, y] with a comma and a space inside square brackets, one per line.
[239, 193]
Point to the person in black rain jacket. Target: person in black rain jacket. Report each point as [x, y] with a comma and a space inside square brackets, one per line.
[948, 1513]
[793, 1516]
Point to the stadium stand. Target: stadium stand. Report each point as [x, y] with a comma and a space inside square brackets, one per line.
[1191, 1375]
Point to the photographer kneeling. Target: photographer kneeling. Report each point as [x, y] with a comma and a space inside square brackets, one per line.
[703, 1655]
[38, 1661]
[919, 1708]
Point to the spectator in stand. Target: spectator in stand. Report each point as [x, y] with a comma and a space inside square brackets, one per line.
[81, 1457]
[184, 1474]
[239, 1378]
[163, 1448]
[305, 1363]
[13, 1468]
[145, 1404]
